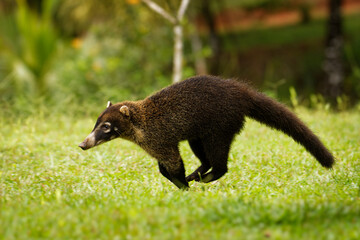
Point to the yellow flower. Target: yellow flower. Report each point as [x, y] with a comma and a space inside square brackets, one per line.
[132, 2]
[76, 43]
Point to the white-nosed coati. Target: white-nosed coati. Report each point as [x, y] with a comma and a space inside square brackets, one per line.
[206, 111]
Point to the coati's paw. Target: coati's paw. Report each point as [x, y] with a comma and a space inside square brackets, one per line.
[193, 177]
[190, 178]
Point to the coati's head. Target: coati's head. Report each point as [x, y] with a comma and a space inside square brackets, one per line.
[112, 123]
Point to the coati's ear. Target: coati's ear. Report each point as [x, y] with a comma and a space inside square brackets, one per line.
[108, 104]
[125, 110]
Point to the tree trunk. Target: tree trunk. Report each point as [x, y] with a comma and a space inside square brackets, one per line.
[333, 63]
[176, 21]
[178, 53]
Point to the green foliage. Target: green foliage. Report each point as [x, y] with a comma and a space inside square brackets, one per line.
[118, 59]
[274, 37]
[267, 56]
[51, 189]
[353, 57]
[251, 4]
[293, 97]
[115, 64]
[318, 102]
[267, 4]
[30, 43]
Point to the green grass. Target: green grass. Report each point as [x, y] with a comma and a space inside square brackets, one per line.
[51, 189]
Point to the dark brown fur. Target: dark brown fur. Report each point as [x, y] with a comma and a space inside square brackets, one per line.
[207, 112]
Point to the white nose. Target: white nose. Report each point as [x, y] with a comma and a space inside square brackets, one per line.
[89, 142]
[83, 145]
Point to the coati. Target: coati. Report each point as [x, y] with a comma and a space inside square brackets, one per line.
[206, 111]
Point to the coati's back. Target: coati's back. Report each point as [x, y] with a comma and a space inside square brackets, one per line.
[197, 106]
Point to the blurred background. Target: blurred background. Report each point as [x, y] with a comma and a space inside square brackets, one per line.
[64, 55]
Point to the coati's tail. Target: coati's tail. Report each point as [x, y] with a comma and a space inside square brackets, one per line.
[275, 115]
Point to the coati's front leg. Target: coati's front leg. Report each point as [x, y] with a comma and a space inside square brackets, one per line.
[171, 166]
[198, 149]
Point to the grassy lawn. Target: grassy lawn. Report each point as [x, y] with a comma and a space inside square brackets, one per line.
[51, 189]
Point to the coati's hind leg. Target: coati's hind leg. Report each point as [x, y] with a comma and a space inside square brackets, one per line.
[198, 149]
[217, 151]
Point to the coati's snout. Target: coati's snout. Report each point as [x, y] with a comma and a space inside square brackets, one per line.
[91, 141]
[83, 146]
[102, 132]
[88, 142]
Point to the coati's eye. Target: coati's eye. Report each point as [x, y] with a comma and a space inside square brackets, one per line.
[106, 127]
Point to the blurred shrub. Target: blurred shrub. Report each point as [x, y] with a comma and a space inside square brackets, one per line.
[119, 59]
[352, 81]
[127, 57]
[29, 44]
